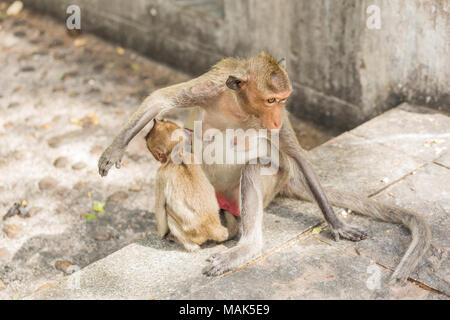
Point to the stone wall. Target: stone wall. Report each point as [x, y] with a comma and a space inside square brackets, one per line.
[343, 72]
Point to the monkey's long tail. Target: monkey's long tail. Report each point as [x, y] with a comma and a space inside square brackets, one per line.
[420, 232]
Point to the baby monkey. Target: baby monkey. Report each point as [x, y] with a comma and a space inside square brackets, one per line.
[185, 200]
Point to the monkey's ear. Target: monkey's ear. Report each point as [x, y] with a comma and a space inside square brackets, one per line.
[235, 83]
[282, 63]
[155, 123]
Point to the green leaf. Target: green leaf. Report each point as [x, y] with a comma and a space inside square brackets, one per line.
[99, 206]
[90, 217]
[135, 67]
[316, 230]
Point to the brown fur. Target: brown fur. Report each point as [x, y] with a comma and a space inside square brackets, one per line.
[184, 196]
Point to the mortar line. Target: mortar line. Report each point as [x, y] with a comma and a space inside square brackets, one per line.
[396, 181]
[441, 165]
[399, 151]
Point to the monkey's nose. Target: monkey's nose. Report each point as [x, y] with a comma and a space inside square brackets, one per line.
[276, 124]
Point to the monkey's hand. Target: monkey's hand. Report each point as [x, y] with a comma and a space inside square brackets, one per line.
[111, 156]
[348, 232]
[231, 259]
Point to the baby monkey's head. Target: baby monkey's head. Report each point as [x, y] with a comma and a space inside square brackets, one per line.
[163, 137]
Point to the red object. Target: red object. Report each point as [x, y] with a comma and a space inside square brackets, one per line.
[224, 204]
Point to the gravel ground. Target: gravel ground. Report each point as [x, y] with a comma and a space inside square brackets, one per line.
[62, 98]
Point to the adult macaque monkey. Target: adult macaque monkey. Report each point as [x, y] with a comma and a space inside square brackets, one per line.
[252, 94]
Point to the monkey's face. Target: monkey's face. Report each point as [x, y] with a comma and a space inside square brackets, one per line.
[263, 101]
[263, 90]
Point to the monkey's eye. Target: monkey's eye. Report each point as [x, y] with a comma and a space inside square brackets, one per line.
[271, 100]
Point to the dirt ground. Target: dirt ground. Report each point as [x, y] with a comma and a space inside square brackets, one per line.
[62, 99]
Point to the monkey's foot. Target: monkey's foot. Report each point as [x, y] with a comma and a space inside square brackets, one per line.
[348, 232]
[111, 156]
[191, 247]
[170, 237]
[230, 259]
